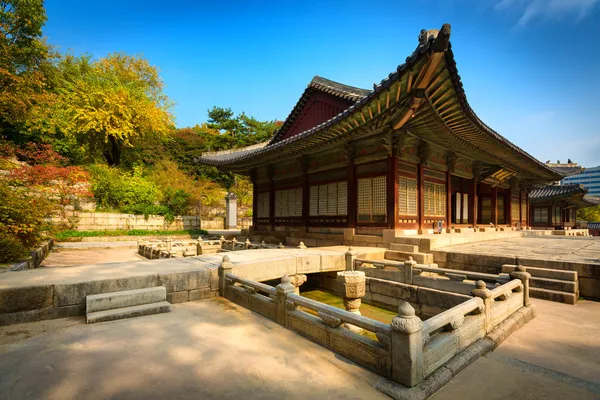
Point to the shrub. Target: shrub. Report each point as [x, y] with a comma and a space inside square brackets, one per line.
[11, 248]
[23, 213]
[120, 190]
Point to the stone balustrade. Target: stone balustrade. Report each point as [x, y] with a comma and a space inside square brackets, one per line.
[408, 350]
[425, 275]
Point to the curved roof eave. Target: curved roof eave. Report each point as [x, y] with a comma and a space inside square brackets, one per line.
[543, 171]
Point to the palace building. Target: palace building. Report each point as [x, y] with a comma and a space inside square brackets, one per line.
[409, 156]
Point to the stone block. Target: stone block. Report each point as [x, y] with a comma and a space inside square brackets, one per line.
[421, 258]
[383, 299]
[404, 247]
[74, 293]
[553, 295]
[394, 289]
[589, 287]
[188, 280]
[214, 279]
[178, 297]
[440, 298]
[126, 298]
[42, 314]
[545, 272]
[199, 294]
[25, 298]
[554, 284]
[310, 263]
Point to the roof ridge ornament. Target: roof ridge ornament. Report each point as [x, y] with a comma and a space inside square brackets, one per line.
[439, 38]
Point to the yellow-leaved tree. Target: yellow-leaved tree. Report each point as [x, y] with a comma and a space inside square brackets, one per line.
[106, 105]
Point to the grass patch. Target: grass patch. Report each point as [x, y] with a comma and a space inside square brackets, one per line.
[64, 235]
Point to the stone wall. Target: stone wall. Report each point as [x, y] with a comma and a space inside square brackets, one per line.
[60, 300]
[36, 257]
[94, 221]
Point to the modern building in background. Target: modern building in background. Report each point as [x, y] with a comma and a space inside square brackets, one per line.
[589, 178]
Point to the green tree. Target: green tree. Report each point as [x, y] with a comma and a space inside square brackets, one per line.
[23, 60]
[589, 214]
[106, 105]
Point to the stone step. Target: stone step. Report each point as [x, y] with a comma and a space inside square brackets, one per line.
[404, 247]
[553, 295]
[128, 312]
[545, 272]
[420, 258]
[126, 298]
[554, 284]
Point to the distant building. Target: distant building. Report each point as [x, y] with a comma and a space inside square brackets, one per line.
[589, 178]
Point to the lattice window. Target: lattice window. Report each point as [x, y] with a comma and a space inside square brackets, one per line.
[262, 205]
[514, 209]
[435, 199]
[540, 215]
[523, 207]
[372, 199]
[288, 203]
[329, 199]
[407, 196]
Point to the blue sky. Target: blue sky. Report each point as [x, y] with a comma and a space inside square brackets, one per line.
[529, 67]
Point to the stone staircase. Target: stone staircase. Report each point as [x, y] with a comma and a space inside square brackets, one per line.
[550, 284]
[126, 304]
[401, 252]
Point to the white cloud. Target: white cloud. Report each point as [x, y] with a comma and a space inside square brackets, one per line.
[530, 10]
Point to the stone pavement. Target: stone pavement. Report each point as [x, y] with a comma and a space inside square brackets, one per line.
[71, 257]
[554, 356]
[214, 349]
[210, 349]
[562, 248]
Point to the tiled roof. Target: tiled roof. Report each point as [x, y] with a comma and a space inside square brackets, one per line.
[349, 93]
[567, 171]
[556, 190]
[593, 225]
[338, 89]
[478, 133]
[592, 200]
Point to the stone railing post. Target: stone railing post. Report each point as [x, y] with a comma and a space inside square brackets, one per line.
[408, 270]
[221, 241]
[302, 246]
[407, 346]
[283, 289]
[247, 243]
[224, 269]
[297, 280]
[352, 286]
[280, 246]
[485, 294]
[521, 273]
[350, 257]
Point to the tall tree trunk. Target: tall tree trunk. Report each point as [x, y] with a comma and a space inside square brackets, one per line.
[113, 155]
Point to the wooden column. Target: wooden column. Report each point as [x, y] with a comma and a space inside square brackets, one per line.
[352, 194]
[527, 216]
[392, 192]
[520, 209]
[305, 198]
[473, 203]
[254, 202]
[271, 198]
[421, 183]
[550, 215]
[494, 205]
[449, 199]
[508, 212]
